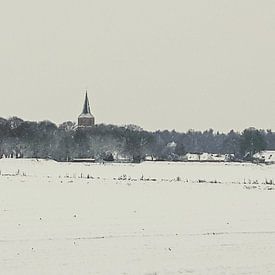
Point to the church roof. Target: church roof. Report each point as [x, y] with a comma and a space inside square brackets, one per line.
[86, 112]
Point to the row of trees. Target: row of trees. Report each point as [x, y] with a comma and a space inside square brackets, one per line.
[65, 142]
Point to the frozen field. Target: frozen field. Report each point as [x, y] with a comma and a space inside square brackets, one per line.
[149, 218]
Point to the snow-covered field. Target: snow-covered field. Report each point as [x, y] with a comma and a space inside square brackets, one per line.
[149, 218]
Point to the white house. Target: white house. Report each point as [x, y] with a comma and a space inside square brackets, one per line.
[192, 157]
[208, 157]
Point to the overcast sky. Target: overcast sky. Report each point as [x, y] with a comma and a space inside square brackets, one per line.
[159, 64]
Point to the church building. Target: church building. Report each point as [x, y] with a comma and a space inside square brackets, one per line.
[86, 119]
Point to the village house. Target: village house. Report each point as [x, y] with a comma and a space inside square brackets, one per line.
[207, 157]
[267, 157]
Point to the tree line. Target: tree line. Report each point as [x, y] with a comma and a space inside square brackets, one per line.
[65, 142]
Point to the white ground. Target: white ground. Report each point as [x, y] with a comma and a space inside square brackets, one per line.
[152, 218]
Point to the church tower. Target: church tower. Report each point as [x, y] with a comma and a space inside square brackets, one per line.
[86, 119]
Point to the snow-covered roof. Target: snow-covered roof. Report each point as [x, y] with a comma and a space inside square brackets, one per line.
[171, 144]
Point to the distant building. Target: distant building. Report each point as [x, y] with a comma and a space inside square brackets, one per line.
[207, 157]
[86, 119]
[192, 157]
[267, 157]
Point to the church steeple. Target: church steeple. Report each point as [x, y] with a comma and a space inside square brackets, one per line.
[86, 119]
[86, 106]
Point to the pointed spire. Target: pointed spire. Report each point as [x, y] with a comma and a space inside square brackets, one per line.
[86, 107]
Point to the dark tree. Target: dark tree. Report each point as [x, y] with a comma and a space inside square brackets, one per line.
[251, 142]
[66, 142]
[180, 149]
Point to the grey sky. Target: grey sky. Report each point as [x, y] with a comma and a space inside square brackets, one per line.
[159, 64]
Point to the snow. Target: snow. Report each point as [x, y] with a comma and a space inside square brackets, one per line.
[149, 218]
